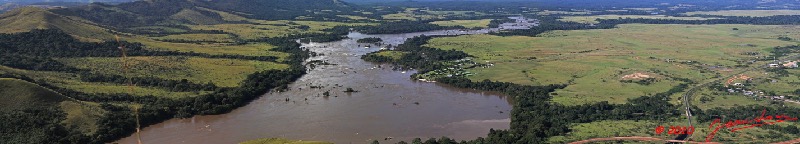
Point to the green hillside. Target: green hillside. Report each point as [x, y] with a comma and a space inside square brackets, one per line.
[21, 99]
[18, 95]
[29, 18]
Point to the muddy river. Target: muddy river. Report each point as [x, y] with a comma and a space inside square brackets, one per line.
[388, 105]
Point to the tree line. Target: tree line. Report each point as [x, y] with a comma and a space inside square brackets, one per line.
[36, 49]
[534, 117]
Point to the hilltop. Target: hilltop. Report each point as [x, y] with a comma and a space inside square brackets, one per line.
[20, 98]
[30, 18]
[174, 12]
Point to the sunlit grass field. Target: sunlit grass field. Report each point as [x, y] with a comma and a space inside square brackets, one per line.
[753, 13]
[466, 23]
[72, 81]
[548, 12]
[250, 49]
[222, 72]
[18, 94]
[413, 14]
[266, 29]
[220, 38]
[391, 54]
[592, 62]
[593, 19]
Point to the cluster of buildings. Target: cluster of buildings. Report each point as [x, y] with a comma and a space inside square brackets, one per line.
[785, 64]
[755, 93]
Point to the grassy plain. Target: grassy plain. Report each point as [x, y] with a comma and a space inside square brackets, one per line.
[72, 81]
[549, 12]
[222, 72]
[272, 28]
[593, 19]
[220, 38]
[752, 13]
[413, 14]
[466, 23]
[593, 61]
[391, 54]
[250, 49]
[28, 18]
[18, 95]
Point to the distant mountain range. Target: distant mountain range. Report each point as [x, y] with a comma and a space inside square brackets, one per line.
[69, 1]
[94, 21]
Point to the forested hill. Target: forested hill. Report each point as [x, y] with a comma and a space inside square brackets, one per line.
[166, 12]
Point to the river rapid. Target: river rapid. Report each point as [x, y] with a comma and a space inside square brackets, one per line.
[389, 106]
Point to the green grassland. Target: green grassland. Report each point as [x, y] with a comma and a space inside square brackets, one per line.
[219, 38]
[593, 19]
[548, 12]
[272, 28]
[225, 15]
[195, 17]
[250, 49]
[222, 72]
[753, 13]
[593, 62]
[604, 129]
[282, 141]
[466, 23]
[724, 100]
[72, 81]
[391, 54]
[19, 95]
[28, 18]
[352, 17]
[413, 14]
[761, 80]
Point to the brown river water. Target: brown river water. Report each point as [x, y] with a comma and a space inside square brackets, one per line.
[388, 105]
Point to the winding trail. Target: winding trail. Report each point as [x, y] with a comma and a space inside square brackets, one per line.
[690, 92]
[635, 138]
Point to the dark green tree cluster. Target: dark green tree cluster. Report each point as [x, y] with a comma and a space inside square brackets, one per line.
[171, 85]
[419, 57]
[36, 49]
[369, 40]
[403, 27]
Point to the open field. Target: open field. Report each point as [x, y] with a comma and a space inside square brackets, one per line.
[753, 13]
[19, 95]
[251, 49]
[222, 72]
[593, 62]
[272, 28]
[601, 129]
[282, 141]
[413, 14]
[391, 54]
[548, 12]
[466, 23]
[593, 19]
[71, 81]
[723, 99]
[26, 19]
[221, 38]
